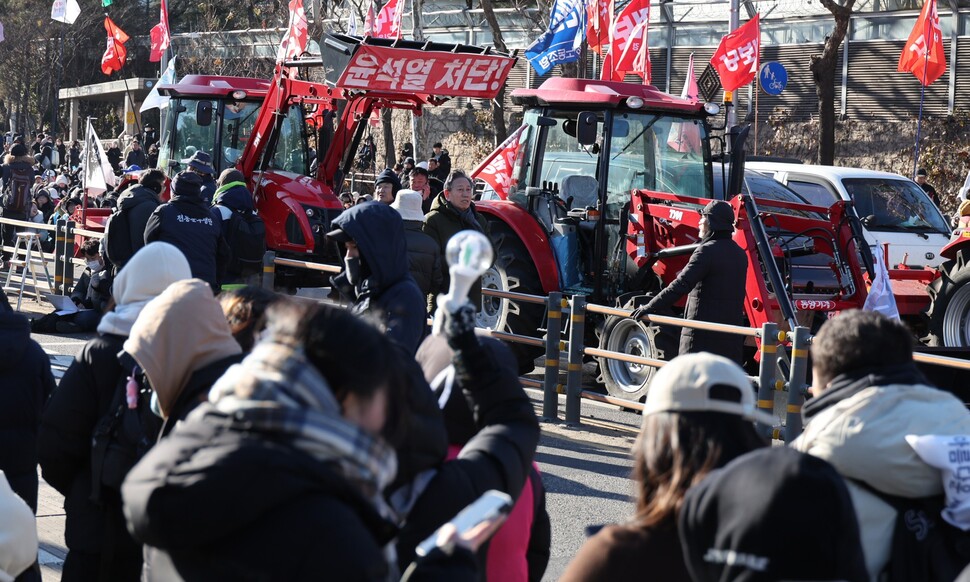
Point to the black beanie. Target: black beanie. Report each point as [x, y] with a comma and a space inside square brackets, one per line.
[187, 184]
[720, 215]
[388, 176]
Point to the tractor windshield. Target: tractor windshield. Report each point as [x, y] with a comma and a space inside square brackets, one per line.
[646, 151]
[209, 125]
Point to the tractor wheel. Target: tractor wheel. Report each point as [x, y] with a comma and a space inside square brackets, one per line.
[513, 270]
[949, 311]
[623, 379]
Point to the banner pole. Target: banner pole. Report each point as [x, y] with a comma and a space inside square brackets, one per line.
[919, 120]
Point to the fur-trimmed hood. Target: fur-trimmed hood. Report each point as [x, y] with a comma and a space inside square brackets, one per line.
[10, 158]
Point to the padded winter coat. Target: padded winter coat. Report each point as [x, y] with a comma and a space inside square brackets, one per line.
[444, 222]
[859, 425]
[714, 278]
[138, 202]
[187, 223]
[25, 383]
[424, 258]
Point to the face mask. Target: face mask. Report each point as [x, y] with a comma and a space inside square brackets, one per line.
[94, 265]
[352, 266]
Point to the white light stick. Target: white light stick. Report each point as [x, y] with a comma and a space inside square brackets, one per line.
[469, 254]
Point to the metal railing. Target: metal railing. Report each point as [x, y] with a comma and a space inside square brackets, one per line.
[65, 233]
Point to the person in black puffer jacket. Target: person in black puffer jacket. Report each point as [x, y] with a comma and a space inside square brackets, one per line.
[424, 256]
[376, 278]
[298, 425]
[137, 203]
[99, 545]
[187, 222]
[26, 383]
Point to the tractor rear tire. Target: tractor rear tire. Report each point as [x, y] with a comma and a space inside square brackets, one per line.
[629, 336]
[513, 270]
[949, 310]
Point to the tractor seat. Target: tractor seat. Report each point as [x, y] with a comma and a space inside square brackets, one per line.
[582, 189]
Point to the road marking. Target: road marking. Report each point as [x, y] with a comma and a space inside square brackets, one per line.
[59, 364]
[46, 558]
[78, 343]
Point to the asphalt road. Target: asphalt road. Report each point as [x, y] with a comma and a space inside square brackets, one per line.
[585, 471]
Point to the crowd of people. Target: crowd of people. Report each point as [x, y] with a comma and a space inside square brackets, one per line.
[214, 433]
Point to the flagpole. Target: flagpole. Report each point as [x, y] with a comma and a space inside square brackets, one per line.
[919, 121]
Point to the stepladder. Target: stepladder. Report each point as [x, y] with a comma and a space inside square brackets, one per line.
[27, 255]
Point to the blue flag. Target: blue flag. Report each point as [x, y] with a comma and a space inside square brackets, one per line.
[562, 42]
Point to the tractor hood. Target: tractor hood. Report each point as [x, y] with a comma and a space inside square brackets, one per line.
[297, 210]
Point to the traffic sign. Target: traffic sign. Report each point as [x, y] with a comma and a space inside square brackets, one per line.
[130, 117]
[773, 78]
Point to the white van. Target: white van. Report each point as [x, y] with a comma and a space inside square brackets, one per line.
[894, 210]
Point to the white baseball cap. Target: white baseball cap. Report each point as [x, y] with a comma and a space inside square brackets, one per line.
[703, 383]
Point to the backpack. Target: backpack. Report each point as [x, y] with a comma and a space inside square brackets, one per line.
[122, 436]
[246, 236]
[17, 197]
[924, 546]
[117, 238]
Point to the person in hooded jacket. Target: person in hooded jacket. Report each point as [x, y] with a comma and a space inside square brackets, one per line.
[299, 423]
[375, 276]
[452, 212]
[26, 382]
[44, 204]
[18, 158]
[137, 204]
[187, 222]
[84, 396]
[424, 255]
[182, 342]
[714, 278]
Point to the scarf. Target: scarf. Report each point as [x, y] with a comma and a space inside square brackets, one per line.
[276, 390]
[119, 321]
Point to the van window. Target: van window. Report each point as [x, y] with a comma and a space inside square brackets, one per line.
[894, 204]
[816, 194]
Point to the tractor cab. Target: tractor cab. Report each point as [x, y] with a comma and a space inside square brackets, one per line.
[217, 115]
[585, 147]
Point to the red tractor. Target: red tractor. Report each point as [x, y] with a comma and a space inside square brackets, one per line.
[607, 185]
[261, 126]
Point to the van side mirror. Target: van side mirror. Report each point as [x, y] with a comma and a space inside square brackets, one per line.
[203, 113]
[586, 132]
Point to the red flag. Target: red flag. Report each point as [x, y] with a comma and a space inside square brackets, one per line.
[928, 66]
[736, 58]
[160, 35]
[626, 37]
[115, 55]
[690, 90]
[388, 24]
[496, 169]
[294, 43]
[685, 136]
[369, 21]
[599, 15]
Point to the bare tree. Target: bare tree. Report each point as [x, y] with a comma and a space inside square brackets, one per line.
[823, 69]
[498, 111]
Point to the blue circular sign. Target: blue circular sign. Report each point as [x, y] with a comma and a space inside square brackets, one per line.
[773, 78]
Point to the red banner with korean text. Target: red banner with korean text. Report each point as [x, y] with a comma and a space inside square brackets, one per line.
[923, 53]
[437, 73]
[115, 54]
[599, 15]
[736, 58]
[496, 169]
[160, 36]
[388, 23]
[626, 36]
[294, 43]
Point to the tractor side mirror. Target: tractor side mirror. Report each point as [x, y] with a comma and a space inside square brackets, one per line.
[203, 113]
[736, 178]
[586, 132]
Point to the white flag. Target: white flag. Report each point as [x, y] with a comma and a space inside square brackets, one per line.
[352, 23]
[880, 297]
[65, 11]
[98, 174]
[155, 99]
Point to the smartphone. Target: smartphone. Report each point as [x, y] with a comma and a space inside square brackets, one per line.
[490, 506]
